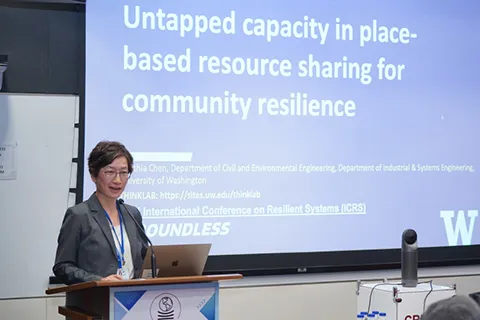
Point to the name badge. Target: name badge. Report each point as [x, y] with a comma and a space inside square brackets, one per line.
[123, 273]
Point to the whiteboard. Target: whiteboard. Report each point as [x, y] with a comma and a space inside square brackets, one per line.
[32, 204]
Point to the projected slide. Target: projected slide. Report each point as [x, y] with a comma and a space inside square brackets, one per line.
[291, 126]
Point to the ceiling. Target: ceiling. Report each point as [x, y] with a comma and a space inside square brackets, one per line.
[48, 1]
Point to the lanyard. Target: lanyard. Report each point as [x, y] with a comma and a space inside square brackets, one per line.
[121, 255]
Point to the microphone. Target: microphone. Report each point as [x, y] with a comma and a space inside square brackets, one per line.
[409, 258]
[152, 256]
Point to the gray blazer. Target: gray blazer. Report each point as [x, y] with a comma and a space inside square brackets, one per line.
[86, 249]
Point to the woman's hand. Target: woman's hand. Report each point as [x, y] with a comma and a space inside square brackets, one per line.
[112, 277]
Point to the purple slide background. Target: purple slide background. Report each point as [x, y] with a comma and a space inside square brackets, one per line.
[430, 117]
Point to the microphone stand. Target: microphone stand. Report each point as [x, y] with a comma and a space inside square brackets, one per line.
[152, 254]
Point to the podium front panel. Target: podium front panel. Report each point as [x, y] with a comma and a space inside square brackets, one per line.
[165, 302]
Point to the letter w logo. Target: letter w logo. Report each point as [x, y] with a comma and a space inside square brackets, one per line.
[460, 226]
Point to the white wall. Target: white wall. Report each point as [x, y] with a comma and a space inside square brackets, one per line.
[329, 296]
[41, 130]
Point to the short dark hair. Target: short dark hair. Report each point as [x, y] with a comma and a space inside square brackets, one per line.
[458, 307]
[104, 153]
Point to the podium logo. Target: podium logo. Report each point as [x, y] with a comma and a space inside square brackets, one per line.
[165, 306]
[457, 226]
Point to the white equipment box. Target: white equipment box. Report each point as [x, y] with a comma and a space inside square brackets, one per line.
[398, 302]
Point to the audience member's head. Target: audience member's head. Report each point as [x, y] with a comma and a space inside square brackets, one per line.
[455, 308]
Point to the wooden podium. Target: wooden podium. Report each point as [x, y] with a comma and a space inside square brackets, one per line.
[191, 298]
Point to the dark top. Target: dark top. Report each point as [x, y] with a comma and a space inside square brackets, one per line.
[86, 249]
